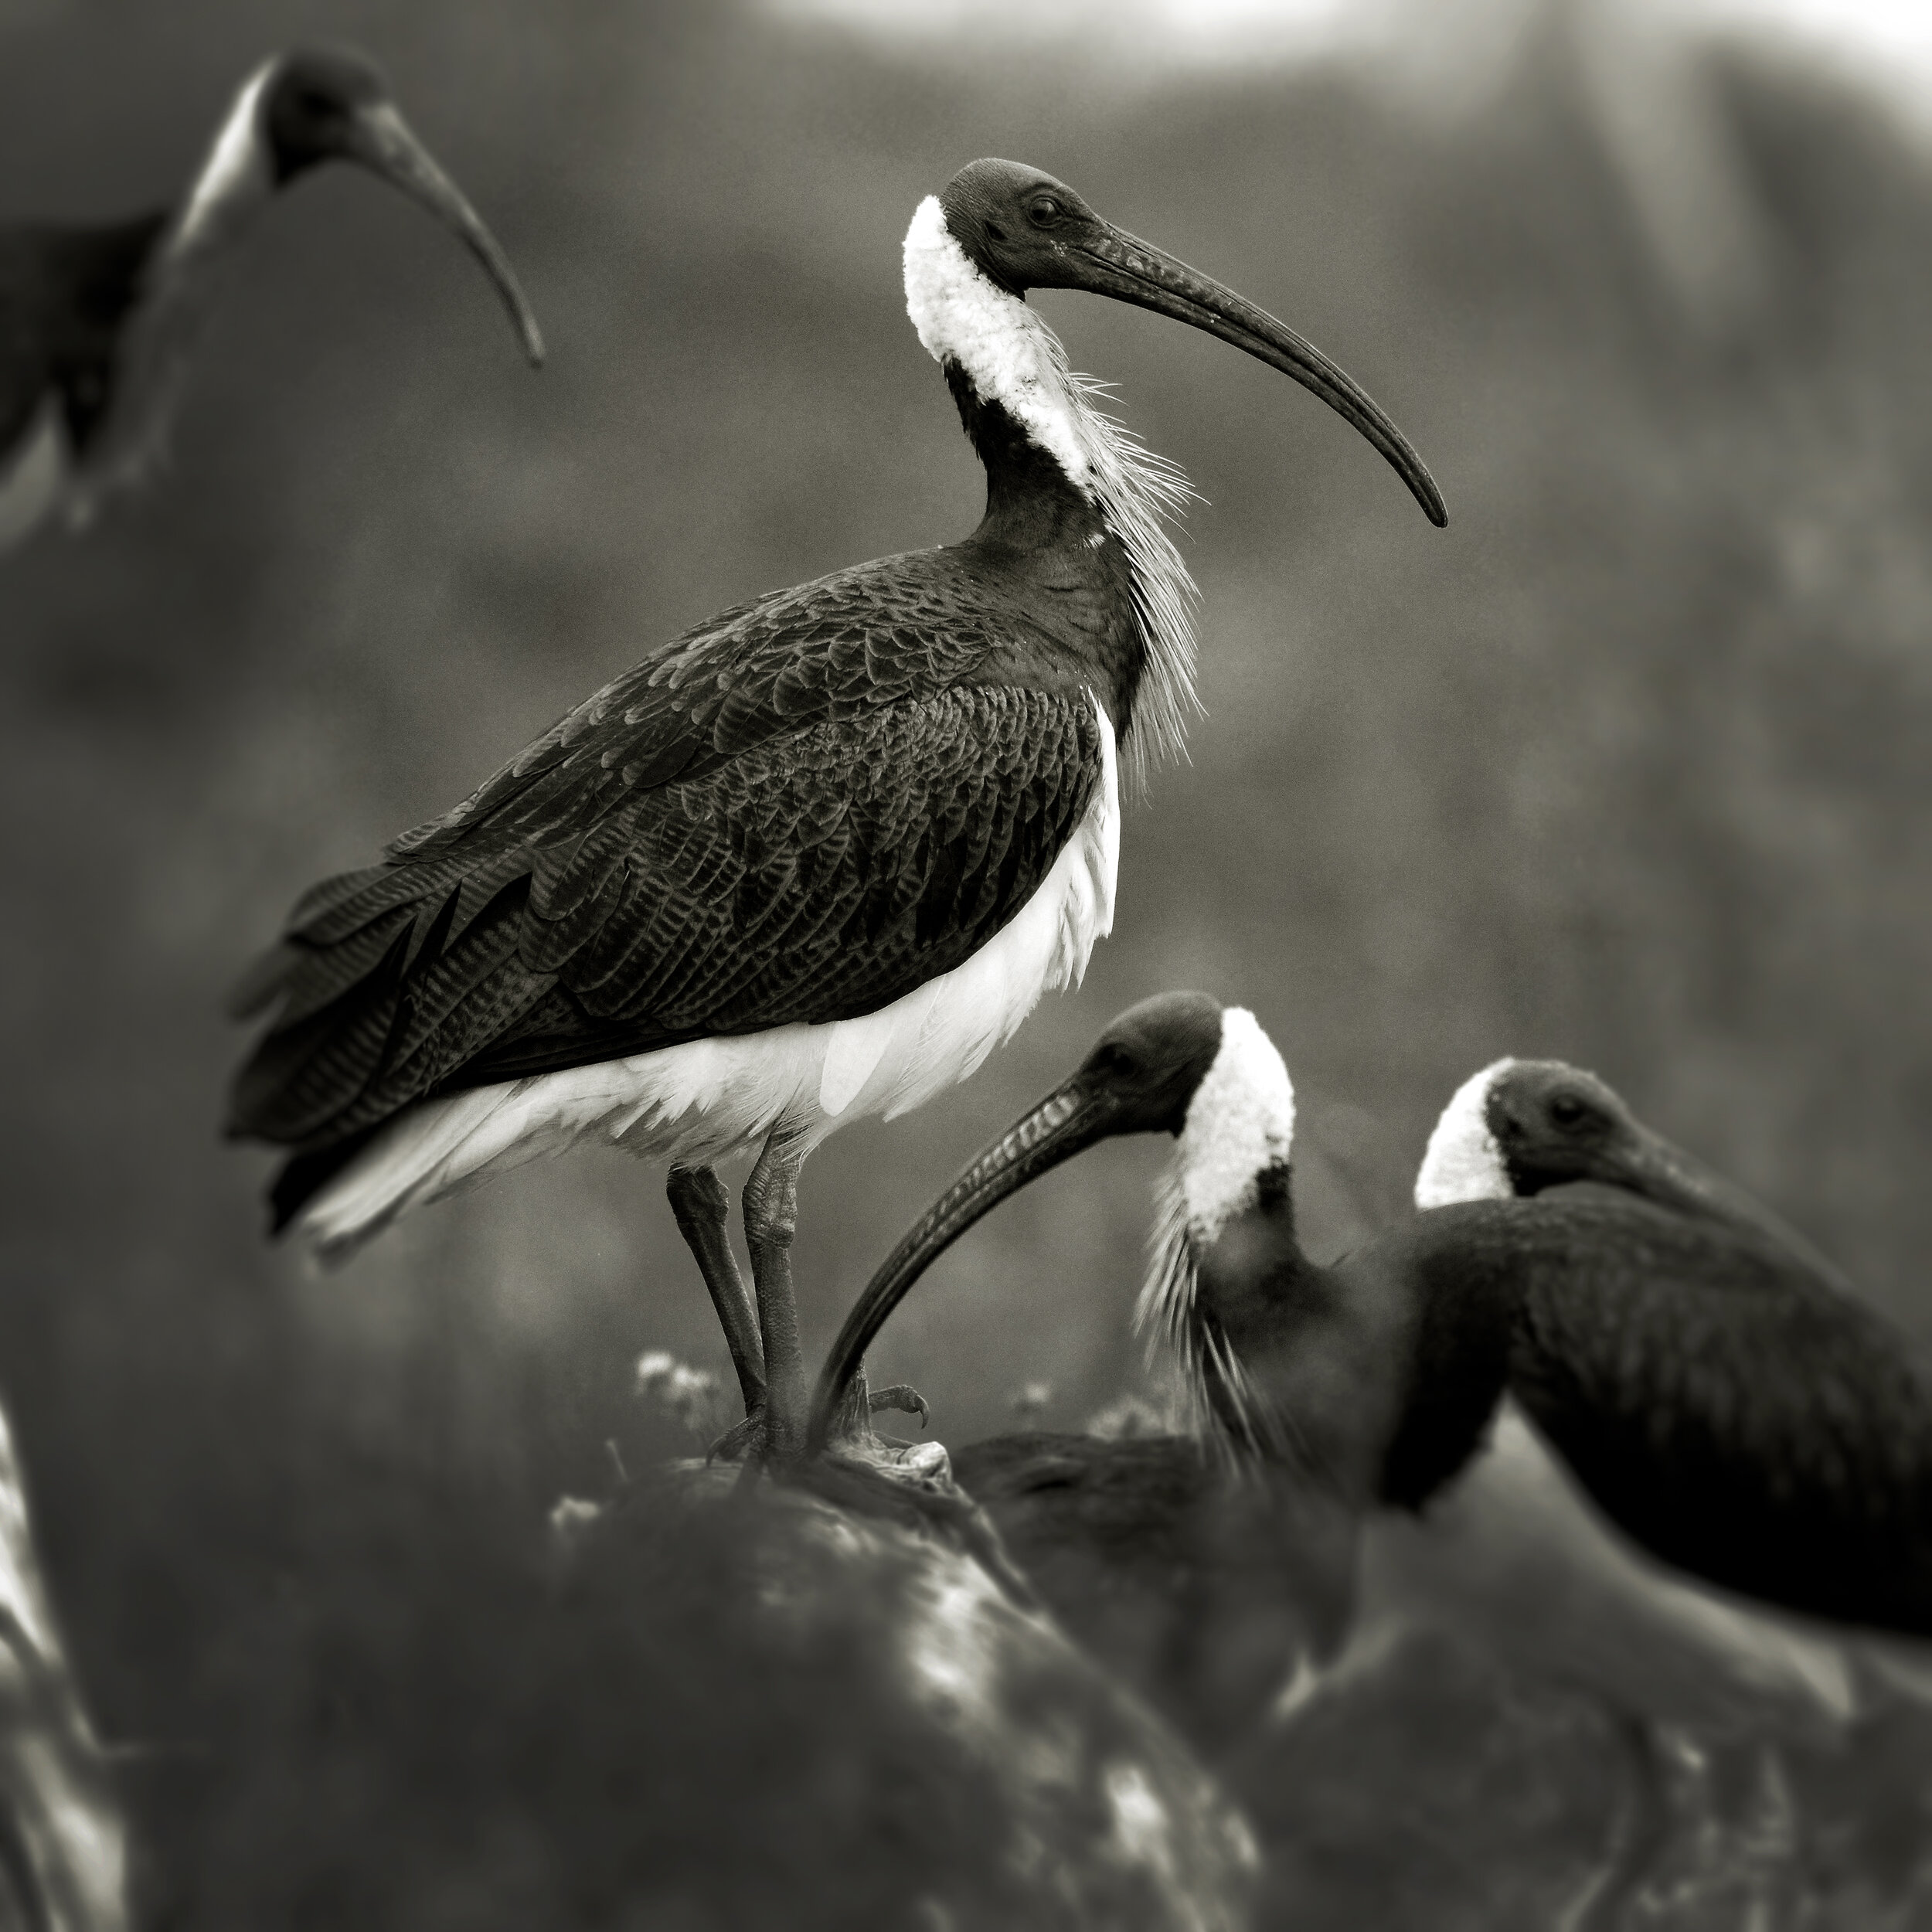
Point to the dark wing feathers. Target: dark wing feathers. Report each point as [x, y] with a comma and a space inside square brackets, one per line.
[64, 294]
[845, 644]
[1740, 1418]
[566, 914]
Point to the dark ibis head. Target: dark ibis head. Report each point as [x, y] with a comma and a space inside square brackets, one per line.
[1520, 1127]
[328, 104]
[1021, 229]
[1180, 1063]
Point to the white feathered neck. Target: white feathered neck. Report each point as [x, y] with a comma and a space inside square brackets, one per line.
[1463, 1161]
[1013, 358]
[1240, 1126]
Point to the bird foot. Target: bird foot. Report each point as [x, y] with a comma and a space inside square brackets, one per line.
[903, 1397]
[743, 1442]
[750, 1440]
[913, 1485]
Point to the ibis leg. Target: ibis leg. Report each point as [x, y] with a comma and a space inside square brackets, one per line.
[700, 1202]
[771, 1220]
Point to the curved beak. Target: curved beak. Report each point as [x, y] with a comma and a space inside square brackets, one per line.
[1068, 1122]
[1131, 270]
[1661, 1172]
[383, 142]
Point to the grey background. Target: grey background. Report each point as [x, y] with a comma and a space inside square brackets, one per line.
[1628, 766]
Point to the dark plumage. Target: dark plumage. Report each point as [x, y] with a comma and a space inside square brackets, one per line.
[65, 293]
[97, 322]
[800, 812]
[1732, 1415]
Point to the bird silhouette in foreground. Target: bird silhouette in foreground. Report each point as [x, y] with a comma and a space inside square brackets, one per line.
[63, 1842]
[811, 861]
[98, 322]
[1410, 1387]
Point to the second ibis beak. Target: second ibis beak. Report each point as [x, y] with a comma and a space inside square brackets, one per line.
[1123, 266]
[1661, 1172]
[384, 143]
[1068, 1122]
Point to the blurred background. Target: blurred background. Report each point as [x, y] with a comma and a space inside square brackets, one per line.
[1628, 766]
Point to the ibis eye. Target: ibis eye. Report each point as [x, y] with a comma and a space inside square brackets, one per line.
[1119, 1062]
[1567, 1111]
[1042, 211]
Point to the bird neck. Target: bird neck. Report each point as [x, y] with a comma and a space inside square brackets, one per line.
[1047, 447]
[177, 284]
[234, 183]
[1295, 1362]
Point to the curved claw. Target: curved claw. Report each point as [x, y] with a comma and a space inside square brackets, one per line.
[742, 1439]
[949, 1513]
[903, 1397]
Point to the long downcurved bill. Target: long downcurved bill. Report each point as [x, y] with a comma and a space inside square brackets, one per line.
[1660, 1170]
[383, 142]
[1131, 270]
[1068, 1122]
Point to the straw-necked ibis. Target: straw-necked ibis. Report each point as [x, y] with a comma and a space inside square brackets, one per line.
[1719, 1392]
[97, 323]
[809, 862]
[1653, 1649]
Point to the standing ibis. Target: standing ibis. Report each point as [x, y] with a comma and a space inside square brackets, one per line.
[1413, 1381]
[810, 862]
[97, 323]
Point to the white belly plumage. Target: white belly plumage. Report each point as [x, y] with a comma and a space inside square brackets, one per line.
[697, 1103]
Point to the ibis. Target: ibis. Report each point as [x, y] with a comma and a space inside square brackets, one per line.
[808, 863]
[98, 322]
[1415, 1382]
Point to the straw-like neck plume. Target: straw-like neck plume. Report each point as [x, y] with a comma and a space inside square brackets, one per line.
[1013, 359]
[1232, 1160]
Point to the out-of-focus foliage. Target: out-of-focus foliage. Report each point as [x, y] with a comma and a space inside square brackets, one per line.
[1628, 766]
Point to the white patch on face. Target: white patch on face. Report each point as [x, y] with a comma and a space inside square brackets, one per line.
[237, 168]
[1239, 1123]
[1463, 1161]
[1010, 355]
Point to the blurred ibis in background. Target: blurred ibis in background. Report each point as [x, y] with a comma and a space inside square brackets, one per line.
[98, 322]
[1777, 1442]
[810, 862]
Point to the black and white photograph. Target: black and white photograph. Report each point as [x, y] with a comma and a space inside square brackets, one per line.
[967, 966]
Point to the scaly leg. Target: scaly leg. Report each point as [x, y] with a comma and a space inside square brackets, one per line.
[700, 1202]
[771, 1220]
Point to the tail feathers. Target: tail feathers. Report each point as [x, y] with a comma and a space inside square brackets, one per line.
[338, 1200]
[303, 1176]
